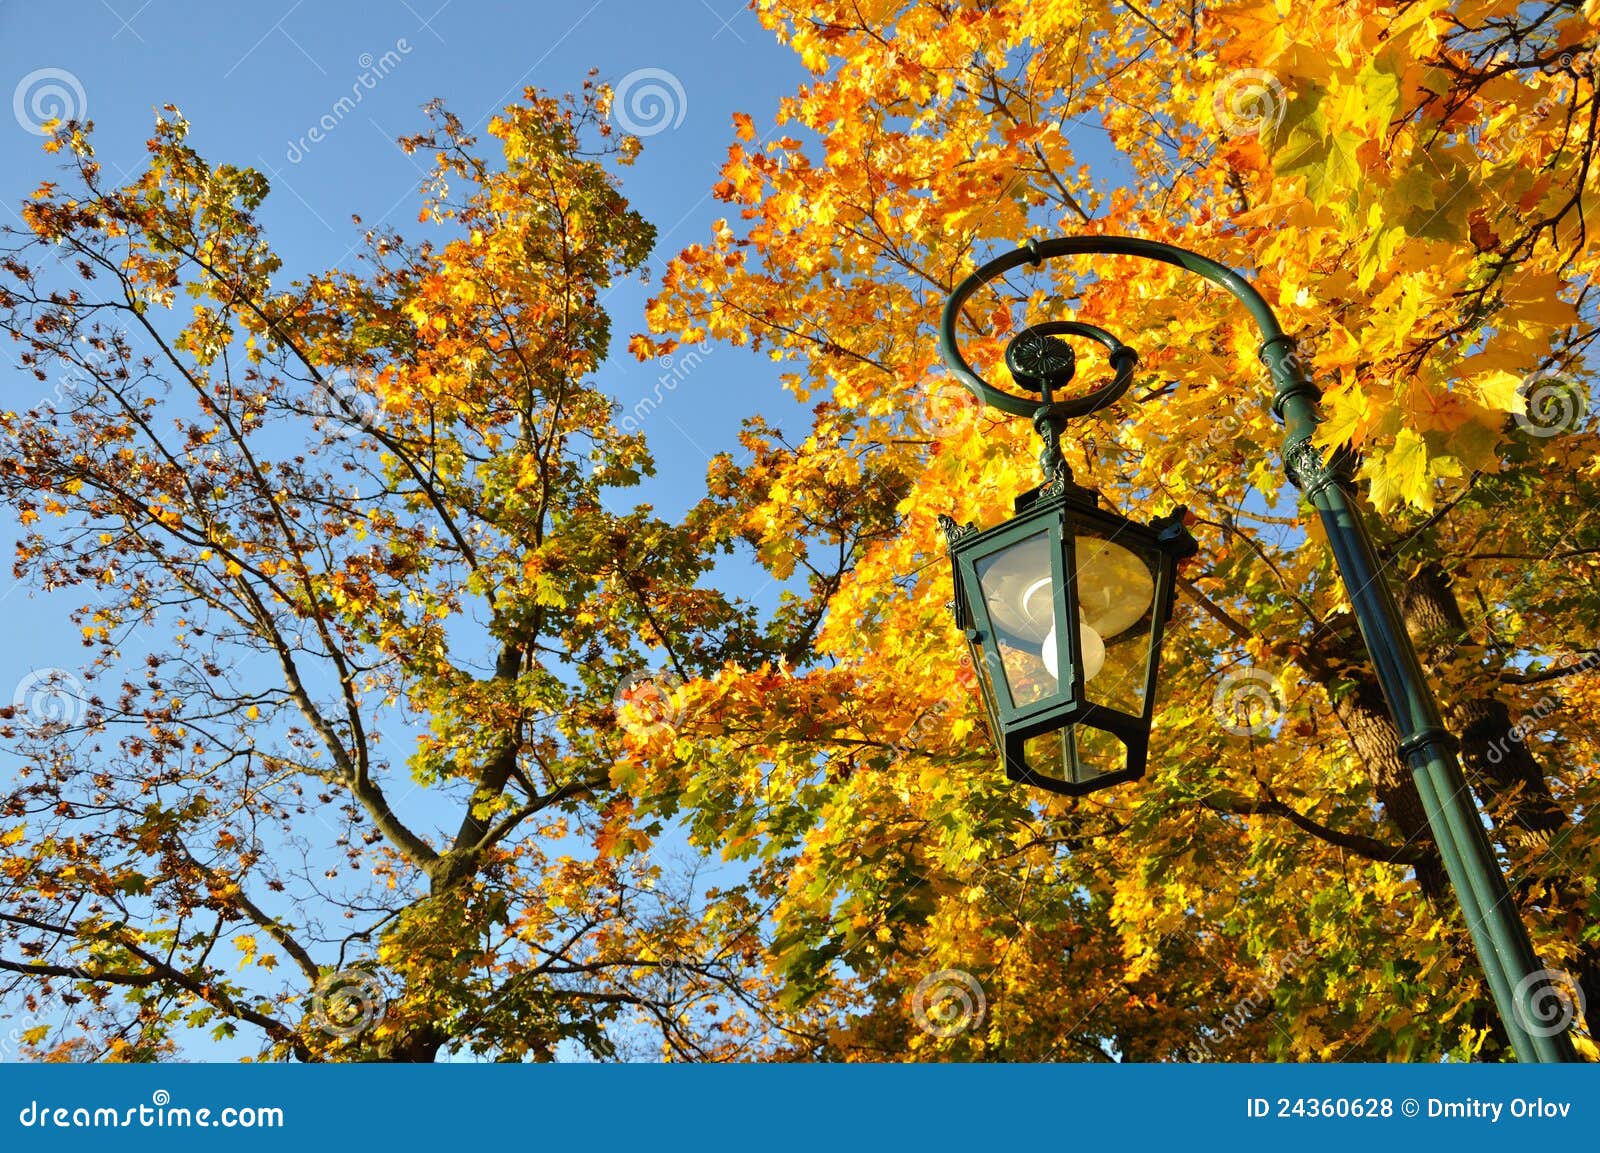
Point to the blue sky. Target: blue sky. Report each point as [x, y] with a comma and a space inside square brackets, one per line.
[254, 81]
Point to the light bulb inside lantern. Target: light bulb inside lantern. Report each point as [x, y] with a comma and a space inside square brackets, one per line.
[1114, 587]
[1094, 651]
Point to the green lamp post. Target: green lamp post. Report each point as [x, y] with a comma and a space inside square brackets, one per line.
[1062, 559]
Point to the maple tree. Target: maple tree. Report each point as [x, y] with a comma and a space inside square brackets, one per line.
[366, 524]
[1406, 184]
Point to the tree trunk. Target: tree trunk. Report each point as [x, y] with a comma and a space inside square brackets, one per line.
[1502, 769]
[1341, 666]
[1365, 718]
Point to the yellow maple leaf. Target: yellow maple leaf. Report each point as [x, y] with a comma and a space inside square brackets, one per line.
[1401, 474]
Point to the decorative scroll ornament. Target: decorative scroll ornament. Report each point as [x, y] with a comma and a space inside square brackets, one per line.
[1057, 479]
[1312, 471]
[954, 531]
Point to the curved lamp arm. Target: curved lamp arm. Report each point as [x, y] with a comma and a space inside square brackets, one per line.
[1513, 971]
[1294, 396]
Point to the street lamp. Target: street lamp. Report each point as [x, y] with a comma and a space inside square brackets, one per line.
[1041, 363]
[1069, 707]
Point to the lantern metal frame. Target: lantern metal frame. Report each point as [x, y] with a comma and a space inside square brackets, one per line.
[1061, 510]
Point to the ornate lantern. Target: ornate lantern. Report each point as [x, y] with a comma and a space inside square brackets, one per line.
[1070, 707]
[1068, 704]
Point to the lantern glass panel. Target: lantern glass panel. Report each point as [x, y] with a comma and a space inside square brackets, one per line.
[1116, 597]
[1018, 593]
[984, 665]
[1076, 753]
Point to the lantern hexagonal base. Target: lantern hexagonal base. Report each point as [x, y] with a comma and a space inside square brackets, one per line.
[1077, 756]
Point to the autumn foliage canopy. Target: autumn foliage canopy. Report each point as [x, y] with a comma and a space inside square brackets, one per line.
[379, 520]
